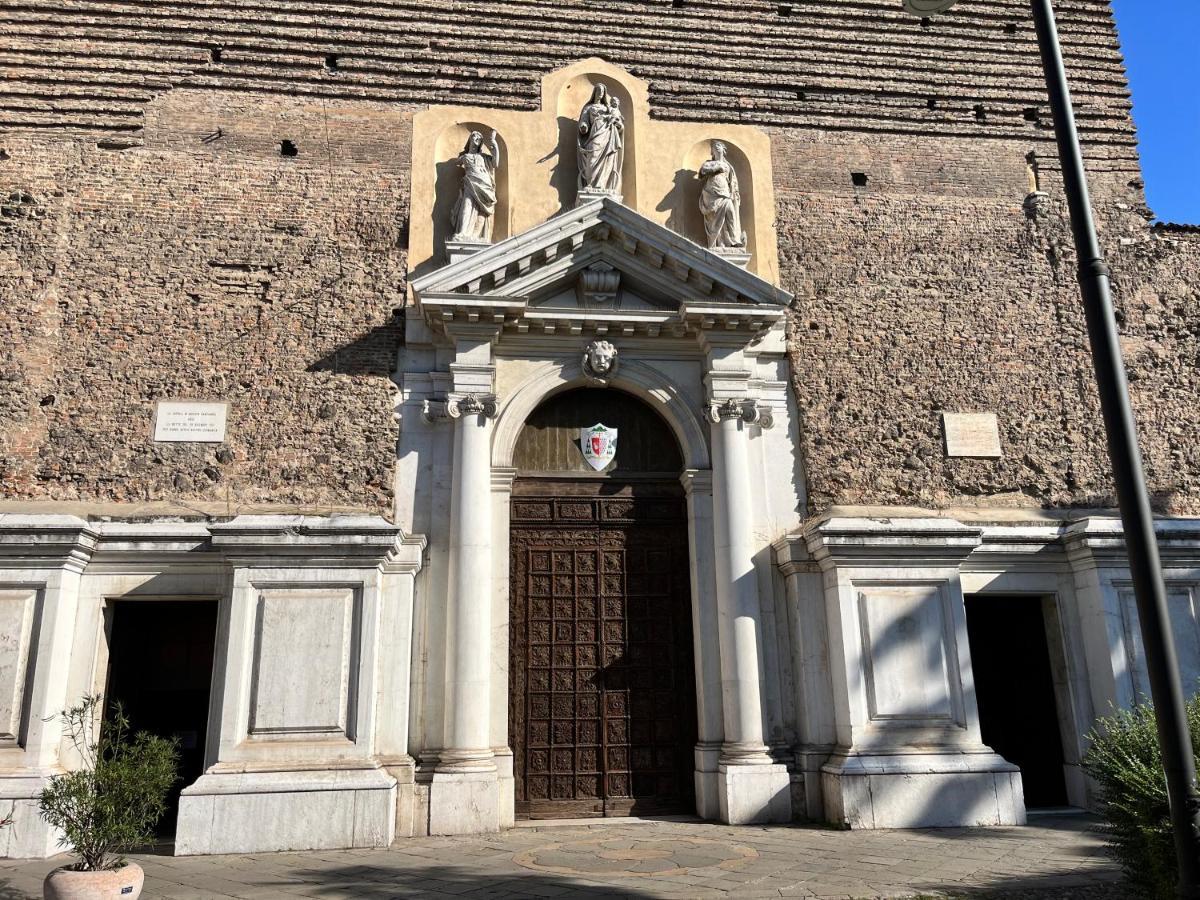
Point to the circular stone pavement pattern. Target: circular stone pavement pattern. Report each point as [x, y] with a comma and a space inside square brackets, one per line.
[635, 857]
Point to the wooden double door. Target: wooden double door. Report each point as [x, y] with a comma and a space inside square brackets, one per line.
[602, 698]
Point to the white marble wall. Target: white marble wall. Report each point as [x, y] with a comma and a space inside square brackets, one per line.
[310, 742]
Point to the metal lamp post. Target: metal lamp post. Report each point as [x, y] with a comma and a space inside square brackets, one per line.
[1141, 544]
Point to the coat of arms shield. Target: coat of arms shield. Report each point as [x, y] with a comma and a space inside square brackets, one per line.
[599, 445]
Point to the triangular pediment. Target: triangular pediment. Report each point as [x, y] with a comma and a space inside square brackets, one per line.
[597, 261]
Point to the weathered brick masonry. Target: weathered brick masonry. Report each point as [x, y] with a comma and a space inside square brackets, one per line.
[155, 243]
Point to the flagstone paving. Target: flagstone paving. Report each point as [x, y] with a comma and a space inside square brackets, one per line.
[1055, 857]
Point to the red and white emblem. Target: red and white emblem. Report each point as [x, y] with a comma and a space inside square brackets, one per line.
[599, 445]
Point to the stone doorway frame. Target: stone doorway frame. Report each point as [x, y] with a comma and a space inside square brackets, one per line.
[690, 350]
[646, 385]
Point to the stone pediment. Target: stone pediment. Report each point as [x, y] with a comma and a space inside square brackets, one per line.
[599, 267]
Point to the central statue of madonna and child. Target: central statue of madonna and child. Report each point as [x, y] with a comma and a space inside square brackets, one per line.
[601, 145]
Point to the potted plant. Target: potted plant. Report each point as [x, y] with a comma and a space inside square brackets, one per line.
[108, 806]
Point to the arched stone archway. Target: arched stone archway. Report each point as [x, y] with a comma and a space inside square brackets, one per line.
[638, 379]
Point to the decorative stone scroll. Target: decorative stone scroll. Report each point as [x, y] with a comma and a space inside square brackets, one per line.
[749, 411]
[599, 283]
[458, 407]
[473, 405]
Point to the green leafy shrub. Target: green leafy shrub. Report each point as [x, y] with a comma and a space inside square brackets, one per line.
[111, 804]
[1125, 761]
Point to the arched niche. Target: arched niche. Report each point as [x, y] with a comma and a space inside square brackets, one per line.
[447, 182]
[549, 442]
[573, 96]
[683, 202]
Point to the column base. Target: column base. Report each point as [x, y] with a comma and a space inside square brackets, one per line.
[921, 790]
[464, 802]
[754, 794]
[27, 836]
[256, 812]
[508, 787]
[708, 804]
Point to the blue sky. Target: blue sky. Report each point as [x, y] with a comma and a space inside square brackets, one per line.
[1161, 40]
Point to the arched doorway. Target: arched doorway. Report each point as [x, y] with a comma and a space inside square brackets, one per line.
[602, 715]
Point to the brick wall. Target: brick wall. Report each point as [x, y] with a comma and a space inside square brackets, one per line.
[223, 272]
[155, 244]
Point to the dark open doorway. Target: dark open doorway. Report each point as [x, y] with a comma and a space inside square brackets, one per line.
[160, 668]
[1014, 686]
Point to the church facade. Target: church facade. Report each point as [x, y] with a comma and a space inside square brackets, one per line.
[611, 424]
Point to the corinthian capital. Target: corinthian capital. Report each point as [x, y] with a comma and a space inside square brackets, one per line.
[749, 411]
[472, 405]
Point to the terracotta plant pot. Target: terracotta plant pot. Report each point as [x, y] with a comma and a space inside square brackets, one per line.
[113, 884]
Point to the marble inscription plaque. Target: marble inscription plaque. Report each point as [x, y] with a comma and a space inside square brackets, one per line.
[190, 421]
[972, 434]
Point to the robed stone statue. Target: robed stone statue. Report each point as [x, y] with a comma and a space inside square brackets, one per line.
[601, 143]
[721, 202]
[472, 215]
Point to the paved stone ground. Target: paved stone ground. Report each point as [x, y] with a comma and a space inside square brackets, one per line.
[1053, 858]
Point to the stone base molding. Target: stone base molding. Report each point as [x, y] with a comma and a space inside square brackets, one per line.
[907, 749]
[254, 812]
[465, 802]
[754, 794]
[921, 790]
[27, 836]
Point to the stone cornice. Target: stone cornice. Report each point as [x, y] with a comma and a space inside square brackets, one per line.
[792, 556]
[607, 221]
[306, 540]
[54, 541]
[890, 542]
[1100, 541]
[46, 541]
[1025, 547]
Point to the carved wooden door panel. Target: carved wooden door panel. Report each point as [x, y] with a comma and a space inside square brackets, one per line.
[602, 704]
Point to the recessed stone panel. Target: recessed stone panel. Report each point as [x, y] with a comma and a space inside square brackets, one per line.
[304, 661]
[17, 609]
[906, 653]
[1184, 611]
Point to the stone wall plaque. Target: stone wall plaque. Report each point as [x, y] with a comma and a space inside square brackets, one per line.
[190, 421]
[972, 434]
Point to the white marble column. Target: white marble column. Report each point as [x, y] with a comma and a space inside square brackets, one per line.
[468, 741]
[737, 590]
[752, 788]
[464, 793]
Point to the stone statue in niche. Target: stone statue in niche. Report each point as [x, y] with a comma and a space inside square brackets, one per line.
[599, 361]
[472, 215]
[721, 202]
[601, 151]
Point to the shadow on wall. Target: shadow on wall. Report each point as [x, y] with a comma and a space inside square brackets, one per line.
[564, 176]
[372, 353]
[684, 196]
